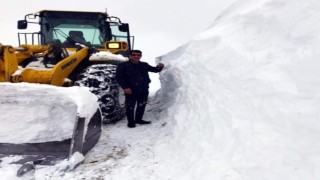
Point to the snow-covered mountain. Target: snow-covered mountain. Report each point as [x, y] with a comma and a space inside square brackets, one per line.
[238, 102]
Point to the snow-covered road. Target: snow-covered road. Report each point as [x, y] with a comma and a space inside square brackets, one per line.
[120, 152]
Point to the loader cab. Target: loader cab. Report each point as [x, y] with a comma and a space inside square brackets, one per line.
[69, 28]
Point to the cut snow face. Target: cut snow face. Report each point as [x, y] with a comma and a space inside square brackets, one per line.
[33, 113]
[244, 95]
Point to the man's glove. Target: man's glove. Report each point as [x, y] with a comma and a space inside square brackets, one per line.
[160, 65]
[127, 91]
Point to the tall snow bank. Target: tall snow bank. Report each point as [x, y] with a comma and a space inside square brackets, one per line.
[244, 96]
[33, 113]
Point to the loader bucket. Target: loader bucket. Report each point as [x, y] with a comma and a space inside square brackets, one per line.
[43, 124]
[48, 153]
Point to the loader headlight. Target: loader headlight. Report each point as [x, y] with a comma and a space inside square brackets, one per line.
[113, 45]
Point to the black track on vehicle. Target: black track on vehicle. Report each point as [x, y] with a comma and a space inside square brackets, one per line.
[100, 78]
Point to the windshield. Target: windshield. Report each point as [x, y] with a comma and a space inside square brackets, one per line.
[73, 27]
[90, 34]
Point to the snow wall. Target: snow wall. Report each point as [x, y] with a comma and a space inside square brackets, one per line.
[242, 98]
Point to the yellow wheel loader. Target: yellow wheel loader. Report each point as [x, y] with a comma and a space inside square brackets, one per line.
[69, 48]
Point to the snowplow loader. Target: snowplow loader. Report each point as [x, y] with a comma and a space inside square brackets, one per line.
[70, 49]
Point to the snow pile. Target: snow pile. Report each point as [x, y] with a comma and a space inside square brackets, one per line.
[107, 56]
[38, 113]
[244, 96]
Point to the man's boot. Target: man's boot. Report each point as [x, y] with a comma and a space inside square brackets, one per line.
[143, 122]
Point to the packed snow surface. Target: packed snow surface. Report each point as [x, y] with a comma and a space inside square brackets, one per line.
[239, 102]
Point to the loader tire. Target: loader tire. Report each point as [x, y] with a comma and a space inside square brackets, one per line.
[100, 78]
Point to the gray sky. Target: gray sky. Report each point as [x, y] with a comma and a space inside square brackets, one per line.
[159, 26]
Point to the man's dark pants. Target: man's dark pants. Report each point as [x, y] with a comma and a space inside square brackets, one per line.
[140, 98]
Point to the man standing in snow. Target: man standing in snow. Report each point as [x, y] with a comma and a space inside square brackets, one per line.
[134, 79]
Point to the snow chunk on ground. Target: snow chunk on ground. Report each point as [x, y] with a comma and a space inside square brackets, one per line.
[68, 164]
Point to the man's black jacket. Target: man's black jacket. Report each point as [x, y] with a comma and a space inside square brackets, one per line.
[135, 76]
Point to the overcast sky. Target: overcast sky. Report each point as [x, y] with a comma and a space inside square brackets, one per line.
[159, 26]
